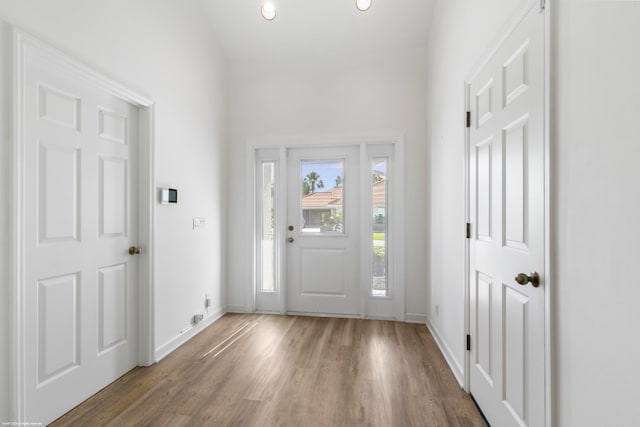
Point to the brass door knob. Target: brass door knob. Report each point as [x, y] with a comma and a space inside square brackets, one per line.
[290, 240]
[523, 279]
[134, 250]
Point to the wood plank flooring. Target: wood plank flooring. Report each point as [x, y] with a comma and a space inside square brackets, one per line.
[266, 370]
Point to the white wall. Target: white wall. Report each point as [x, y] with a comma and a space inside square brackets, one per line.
[597, 207]
[461, 31]
[596, 202]
[382, 91]
[165, 50]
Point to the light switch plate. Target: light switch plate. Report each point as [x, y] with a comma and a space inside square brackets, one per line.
[198, 223]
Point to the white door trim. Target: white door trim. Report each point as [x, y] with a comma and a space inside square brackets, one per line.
[512, 24]
[396, 139]
[23, 42]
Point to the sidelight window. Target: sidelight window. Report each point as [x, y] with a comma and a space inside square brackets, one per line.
[379, 286]
[268, 249]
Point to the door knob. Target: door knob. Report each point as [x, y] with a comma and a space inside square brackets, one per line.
[290, 240]
[523, 279]
[134, 250]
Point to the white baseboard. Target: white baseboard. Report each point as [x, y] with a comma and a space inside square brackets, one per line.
[457, 370]
[415, 318]
[175, 342]
[386, 318]
[408, 318]
[236, 308]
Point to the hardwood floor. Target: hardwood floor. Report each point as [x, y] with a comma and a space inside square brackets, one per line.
[266, 370]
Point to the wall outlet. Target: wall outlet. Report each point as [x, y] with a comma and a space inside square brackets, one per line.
[197, 318]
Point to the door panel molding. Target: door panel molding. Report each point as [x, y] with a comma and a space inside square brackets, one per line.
[362, 140]
[25, 45]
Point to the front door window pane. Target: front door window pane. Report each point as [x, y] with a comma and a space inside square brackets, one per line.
[322, 196]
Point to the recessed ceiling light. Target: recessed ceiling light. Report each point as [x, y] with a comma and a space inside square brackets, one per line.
[268, 11]
[363, 5]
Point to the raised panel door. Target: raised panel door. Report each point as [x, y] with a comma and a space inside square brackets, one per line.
[507, 368]
[80, 190]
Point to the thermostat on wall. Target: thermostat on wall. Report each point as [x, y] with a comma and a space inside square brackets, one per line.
[168, 195]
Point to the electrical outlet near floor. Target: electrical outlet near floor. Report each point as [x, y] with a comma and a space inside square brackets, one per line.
[197, 318]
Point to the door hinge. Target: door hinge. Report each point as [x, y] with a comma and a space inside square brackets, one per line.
[468, 119]
[542, 5]
[468, 342]
[468, 230]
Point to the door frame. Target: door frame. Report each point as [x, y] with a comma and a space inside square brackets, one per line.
[282, 143]
[544, 6]
[23, 42]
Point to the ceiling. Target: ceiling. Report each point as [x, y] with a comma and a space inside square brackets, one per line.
[317, 27]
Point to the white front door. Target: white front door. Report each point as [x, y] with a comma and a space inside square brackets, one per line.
[507, 366]
[323, 230]
[80, 197]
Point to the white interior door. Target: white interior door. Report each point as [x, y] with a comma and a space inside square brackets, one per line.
[323, 229]
[507, 368]
[80, 219]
